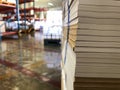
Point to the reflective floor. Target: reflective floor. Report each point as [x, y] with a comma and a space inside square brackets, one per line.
[26, 64]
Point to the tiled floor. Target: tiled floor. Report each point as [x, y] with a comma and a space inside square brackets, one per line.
[26, 64]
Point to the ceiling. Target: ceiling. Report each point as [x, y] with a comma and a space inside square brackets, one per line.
[57, 4]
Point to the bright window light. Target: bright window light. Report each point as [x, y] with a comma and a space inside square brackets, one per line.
[51, 4]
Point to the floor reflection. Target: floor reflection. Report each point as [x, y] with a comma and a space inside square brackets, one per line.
[25, 64]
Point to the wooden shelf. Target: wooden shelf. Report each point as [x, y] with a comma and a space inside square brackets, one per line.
[4, 7]
[35, 9]
[8, 33]
[7, 3]
[40, 9]
[27, 15]
[22, 17]
[5, 11]
[22, 1]
[27, 10]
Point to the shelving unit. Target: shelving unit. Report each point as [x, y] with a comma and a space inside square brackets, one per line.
[25, 12]
[5, 6]
[9, 9]
[28, 15]
[22, 14]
